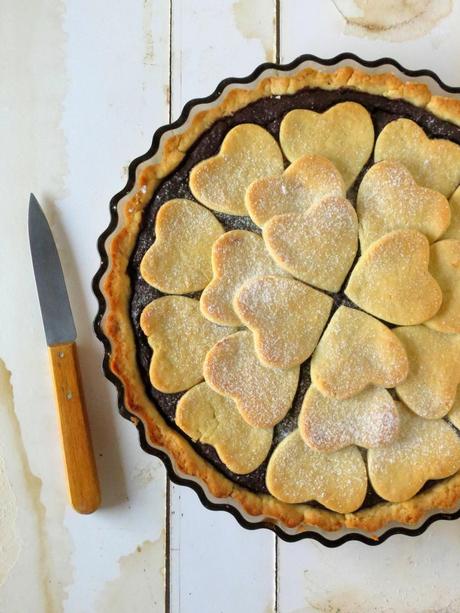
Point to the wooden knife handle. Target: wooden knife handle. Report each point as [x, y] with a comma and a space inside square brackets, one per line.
[76, 441]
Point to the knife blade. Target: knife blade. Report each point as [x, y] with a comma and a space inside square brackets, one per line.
[52, 292]
[60, 332]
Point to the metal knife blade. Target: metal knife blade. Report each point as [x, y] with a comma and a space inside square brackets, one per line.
[52, 291]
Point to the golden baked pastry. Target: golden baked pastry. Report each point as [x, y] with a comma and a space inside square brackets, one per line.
[293, 224]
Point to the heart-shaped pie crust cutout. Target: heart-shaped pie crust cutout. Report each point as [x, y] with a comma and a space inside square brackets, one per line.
[248, 152]
[434, 163]
[214, 420]
[389, 199]
[445, 268]
[354, 352]
[343, 134]
[453, 231]
[391, 279]
[180, 338]
[237, 256]
[285, 316]
[179, 261]
[434, 370]
[305, 182]
[318, 246]
[368, 419]
[296, 473]
[263, 395]
[424, 450]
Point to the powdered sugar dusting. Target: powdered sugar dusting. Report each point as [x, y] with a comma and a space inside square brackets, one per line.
[425, 449]
[389, 199]
[263, 395]
[357, 350]
[368, 419]
[305, 182]
[286, 317]
[317, 247]
[213, 419]
[297, 473]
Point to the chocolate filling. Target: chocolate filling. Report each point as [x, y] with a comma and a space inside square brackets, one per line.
[267, 112]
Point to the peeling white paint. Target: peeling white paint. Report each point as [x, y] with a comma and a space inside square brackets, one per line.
[143, 474]
[148, 35]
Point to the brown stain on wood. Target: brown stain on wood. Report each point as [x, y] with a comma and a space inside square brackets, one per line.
[250, 19]
[34, 488]
[140, 581]
[395, 20]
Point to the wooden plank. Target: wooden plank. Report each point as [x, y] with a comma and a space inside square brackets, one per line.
[215, 565]
[215, 40]
[116, 98]
[403, 574]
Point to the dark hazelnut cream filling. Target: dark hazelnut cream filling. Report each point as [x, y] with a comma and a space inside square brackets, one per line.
[268, 113]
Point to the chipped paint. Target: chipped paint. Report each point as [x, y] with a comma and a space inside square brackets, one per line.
[147, 16]
[143, 475]
[139, 581]
[250, 19]
[395, 20]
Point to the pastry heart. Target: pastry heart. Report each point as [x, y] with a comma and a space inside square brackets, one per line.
[354, 352]
[237, 256]
[424, 450]
[285, 316]
[344, 134]
[391, 279]
[248, 152]
[263, 395]
[434, 370]
[368, 419]
[180, 338]
[445, 268]
[296, 473]
[214, 420]
[179, 261]
[389, 199]
[318, 246]
[305, 182]
[434, 163]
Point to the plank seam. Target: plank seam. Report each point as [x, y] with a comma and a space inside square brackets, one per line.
[277, 30]
[168, 481]
[276, 590]
[277, 60]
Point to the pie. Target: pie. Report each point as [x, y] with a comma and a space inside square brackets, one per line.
[282, 299]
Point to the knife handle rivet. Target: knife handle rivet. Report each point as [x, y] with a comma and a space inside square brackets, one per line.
[61, 354]
[69, 396]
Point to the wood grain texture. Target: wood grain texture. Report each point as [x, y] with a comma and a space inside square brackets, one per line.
[80, 466]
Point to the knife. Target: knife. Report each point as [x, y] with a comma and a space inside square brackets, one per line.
[83, 485]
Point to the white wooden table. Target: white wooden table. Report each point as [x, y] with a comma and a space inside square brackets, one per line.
[83, 85]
